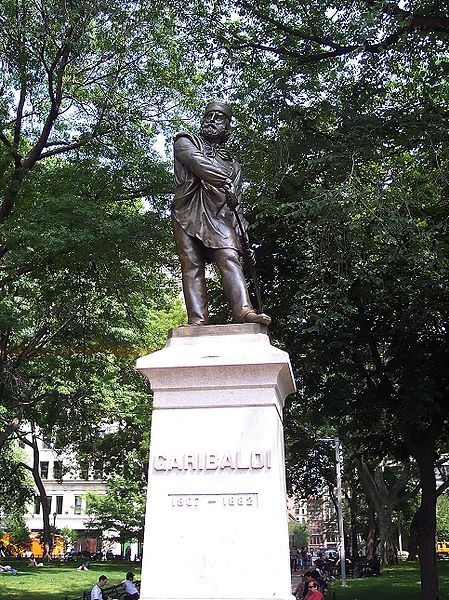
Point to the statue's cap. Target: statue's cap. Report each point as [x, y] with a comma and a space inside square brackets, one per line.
[219, 106]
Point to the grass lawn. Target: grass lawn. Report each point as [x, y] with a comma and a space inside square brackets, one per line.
[395, 583]
[55, 580]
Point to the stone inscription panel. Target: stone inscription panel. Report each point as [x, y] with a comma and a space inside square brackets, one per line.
[253, 460]
[232, 501]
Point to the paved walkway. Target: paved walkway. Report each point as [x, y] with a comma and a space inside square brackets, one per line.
[296, 578]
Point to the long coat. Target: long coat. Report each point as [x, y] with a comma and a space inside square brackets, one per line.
[199, 206]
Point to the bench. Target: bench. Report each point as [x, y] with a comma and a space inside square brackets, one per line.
[114, 591]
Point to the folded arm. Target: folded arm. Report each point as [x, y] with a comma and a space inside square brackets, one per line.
[209, 171]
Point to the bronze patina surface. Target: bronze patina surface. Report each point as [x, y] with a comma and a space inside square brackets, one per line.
[206, 222]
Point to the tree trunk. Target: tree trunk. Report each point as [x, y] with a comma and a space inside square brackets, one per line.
[383, 499]
[427, 523]
[354, 544]
[387, 542]
[10, 428]
[35, 470]
[371, 537]
[413, 539]
[11, 193]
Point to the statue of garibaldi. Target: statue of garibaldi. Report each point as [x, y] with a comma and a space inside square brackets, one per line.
[205, 218]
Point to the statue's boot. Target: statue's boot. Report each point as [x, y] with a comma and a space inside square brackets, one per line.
[253, 317]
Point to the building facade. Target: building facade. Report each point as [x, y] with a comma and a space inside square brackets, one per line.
[66, 485]
[319, 515]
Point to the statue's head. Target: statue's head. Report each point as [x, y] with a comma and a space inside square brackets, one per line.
[216, 122]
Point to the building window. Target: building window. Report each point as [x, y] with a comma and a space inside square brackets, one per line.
[46, 443]
[49, 498]
[77, 509]
[44, 469]
[59, 504]
[57, 469]
[37, 505]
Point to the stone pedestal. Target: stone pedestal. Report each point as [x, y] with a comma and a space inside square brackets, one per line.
[216, 520]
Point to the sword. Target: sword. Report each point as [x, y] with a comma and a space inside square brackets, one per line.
[248, 255]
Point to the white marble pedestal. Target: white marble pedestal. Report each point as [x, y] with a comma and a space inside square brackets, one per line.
[216, 520]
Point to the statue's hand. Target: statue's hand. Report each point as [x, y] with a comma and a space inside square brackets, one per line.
[231, 197]
[231, 201]
[249, 257]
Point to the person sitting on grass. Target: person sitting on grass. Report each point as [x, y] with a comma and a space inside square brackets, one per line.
[33, 563]
[130, 588]
[8, 569]
[85, 566]
[96, 593]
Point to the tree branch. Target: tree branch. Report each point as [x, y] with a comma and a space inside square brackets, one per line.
[400, 483]
[10, 146]
[66, 148]
[368, 483]
[20, 105]
[442, 488]
[301, 59]
[411, 494]
[366, 332]
[438, 24]
[409, 22]
[289, 29]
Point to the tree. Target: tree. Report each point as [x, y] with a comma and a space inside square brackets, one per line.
[299, 533]
[83, 88]
[120, 513]
[443, 517]
[69, 537]
[18, 531]
[83, 292]
[73, 75]
[385, 498]
[15, 484]
[349, 161]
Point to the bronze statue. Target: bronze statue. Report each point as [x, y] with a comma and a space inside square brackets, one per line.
[205, 218]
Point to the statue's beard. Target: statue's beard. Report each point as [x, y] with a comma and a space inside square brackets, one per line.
[216, 134]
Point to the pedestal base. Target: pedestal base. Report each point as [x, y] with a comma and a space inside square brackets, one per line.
[216, 521]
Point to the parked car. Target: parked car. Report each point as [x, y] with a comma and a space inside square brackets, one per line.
[442, 549]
